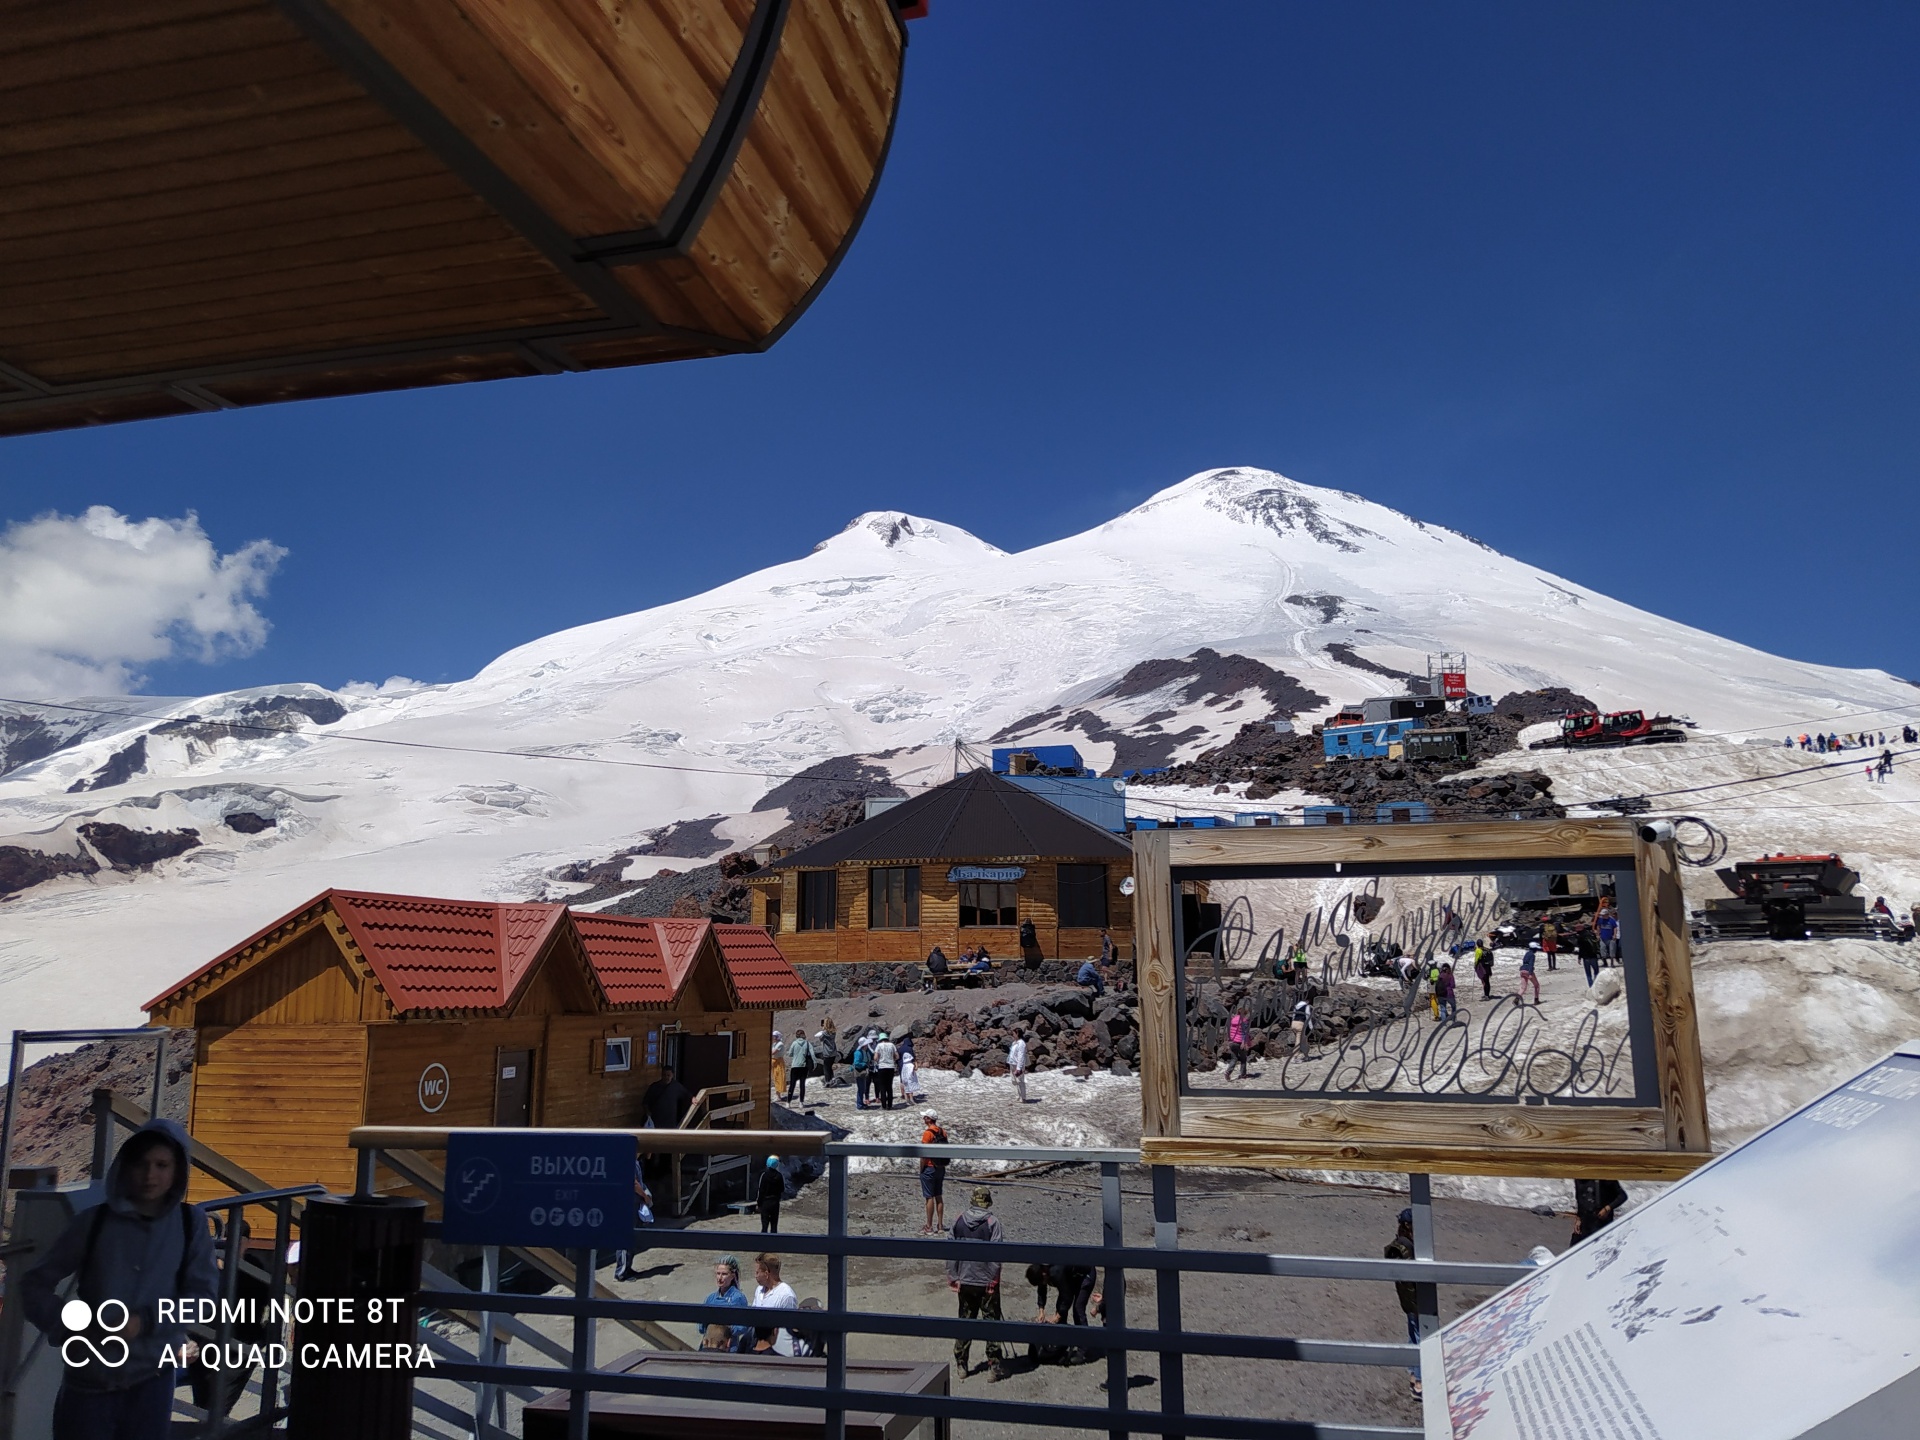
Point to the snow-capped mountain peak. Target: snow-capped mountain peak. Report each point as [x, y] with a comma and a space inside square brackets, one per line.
[907, 535]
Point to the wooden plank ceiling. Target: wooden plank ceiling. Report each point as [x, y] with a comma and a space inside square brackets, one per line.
[211, 203]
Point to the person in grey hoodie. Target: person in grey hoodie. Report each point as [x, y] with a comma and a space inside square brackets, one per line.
[977, 1281]
[140, 1245]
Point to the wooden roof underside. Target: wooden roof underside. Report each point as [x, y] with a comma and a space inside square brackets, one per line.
[211, 203]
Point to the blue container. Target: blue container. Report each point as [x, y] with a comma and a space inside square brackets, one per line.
[1367, 741]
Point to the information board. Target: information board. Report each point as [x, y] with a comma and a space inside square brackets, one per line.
[1771, 1295]
[562, 1188]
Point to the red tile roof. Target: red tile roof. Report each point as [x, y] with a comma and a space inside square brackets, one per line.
[629, 957]
[462, 955]
[763, 978]
[447, 954]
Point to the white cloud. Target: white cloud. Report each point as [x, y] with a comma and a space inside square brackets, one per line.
[87, 600]
[391, 686]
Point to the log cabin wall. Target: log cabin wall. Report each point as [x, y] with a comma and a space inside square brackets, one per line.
[852, 941]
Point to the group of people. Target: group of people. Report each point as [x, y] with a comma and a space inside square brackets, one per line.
[878, 1063]
[1859, 740]
[770, 1292]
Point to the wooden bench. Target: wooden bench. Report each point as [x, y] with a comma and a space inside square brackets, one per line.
[963, 979]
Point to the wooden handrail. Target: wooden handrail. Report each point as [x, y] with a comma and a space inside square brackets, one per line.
[684, 1142]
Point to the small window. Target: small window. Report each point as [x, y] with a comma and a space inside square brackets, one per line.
[617, 1054]
[816, 899]
[1334, 817]
[893, 898]
[988, 902]
[1083, 896]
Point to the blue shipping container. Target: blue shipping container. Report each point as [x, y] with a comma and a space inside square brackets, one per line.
[1054, 757]
[1103, 802]
[1369, 740]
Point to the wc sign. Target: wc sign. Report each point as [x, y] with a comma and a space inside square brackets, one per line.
[434, 1087]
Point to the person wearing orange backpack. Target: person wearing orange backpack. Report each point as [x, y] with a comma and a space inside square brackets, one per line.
[933, 1176]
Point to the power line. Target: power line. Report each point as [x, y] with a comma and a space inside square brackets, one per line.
[264, 729]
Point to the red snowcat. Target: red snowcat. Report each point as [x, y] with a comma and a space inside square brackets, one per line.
[1590, 730]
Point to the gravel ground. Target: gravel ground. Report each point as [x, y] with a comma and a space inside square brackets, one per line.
[1253, 1212]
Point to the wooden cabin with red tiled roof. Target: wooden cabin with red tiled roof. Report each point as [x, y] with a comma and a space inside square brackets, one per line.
[362, 1009]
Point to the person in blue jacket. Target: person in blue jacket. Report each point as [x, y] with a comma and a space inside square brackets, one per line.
[132, 1256]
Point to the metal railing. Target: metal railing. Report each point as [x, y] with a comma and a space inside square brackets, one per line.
[1113, 1341]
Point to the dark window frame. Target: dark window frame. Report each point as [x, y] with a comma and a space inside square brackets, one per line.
[893, 897]
[811, 885]
[1084, 890]
[1005, 907]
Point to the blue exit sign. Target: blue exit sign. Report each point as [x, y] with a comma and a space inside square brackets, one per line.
[561, 1188]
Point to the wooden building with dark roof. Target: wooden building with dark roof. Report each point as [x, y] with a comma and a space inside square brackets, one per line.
[959, 866]
[362, 1009]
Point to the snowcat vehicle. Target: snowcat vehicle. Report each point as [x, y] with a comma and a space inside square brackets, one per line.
[1590, 730]
[1790, 897]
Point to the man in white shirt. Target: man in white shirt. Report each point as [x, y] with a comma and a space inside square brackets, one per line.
[886, 1065]
[1017, 1063]
[770, 1292]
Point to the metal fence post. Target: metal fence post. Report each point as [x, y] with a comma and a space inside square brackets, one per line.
[580, 1399]
[159, 1072]
[837, 1292]
[1420, 1192]
[483, 1392]
[102, 1133]
[1114, 1296]
[1166, 1288]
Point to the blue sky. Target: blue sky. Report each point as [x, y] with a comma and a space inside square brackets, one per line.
[1625, 290]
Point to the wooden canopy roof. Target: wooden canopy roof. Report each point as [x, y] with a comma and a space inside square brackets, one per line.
[976, 816]
[431, 957]
[213, 203]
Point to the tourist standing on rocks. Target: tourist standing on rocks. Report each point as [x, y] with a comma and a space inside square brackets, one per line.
[977, 1282]
[1527, 977]
[772, 1190]
[1030, 944]
[1109, 952]
[1237, 1040]
[824, 1045]
[886, 1064]
[862, 1063]
[933, 1175]
[1606, 928]
[799, 1066]
[1017, 1063]
[1401, 1248]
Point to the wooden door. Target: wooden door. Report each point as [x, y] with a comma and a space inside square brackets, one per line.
[703, 1061]
[513, 1087]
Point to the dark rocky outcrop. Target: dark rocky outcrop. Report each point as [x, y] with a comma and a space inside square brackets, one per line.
[120, 767]
[247, 822]
[21, 868]
[128, 849]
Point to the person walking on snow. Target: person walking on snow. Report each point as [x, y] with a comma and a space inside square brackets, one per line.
[1528, 978]
[1446, 992]
[1483, 968]
[799, 1066]
[886, 1064]
[779, 1067]
[1017, 1064]
[977, 1282]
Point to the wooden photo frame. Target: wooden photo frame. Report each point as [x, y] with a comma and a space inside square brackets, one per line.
[1661, 1133]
